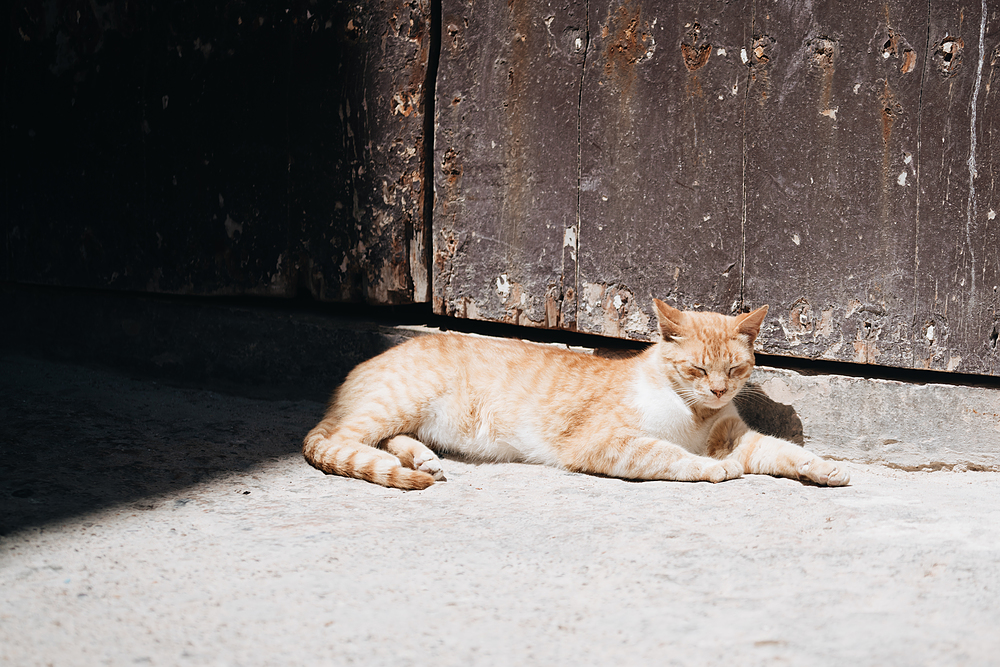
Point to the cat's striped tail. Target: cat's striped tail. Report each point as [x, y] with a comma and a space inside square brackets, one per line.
[338, 451]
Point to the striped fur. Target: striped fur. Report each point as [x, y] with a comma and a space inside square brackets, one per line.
[665, 413]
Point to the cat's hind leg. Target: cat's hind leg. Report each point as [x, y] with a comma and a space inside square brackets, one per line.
[339, 450]
[416, 455]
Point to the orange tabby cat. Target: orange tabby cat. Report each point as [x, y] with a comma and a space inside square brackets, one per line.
[666, 413]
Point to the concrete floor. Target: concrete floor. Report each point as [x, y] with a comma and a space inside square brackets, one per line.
[144, 523]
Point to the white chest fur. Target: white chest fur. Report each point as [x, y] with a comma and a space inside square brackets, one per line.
[666, 416]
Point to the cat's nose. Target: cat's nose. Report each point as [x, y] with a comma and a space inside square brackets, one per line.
[719, 392]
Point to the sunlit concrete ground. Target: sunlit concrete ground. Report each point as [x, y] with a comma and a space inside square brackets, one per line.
[145, 523]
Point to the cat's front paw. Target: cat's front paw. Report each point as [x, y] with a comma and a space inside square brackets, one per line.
[827, 473]
[723, 470]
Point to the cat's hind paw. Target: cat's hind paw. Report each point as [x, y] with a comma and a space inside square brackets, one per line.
[431, 466]
[826, 473]
[414, 454]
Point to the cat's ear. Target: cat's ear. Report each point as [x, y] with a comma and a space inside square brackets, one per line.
[670, 319]
[749, 324]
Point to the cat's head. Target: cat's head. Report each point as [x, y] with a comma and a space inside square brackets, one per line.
[707, 356]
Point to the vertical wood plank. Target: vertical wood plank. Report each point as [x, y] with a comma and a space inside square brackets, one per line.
[957, 249]
[506, 160]
[356, 169]
[833, 110]
[661, 197]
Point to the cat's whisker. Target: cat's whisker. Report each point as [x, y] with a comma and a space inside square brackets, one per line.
[753, 397]
[689, 396]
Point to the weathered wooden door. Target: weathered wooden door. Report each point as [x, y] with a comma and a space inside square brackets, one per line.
[835, 160]
[202, 148]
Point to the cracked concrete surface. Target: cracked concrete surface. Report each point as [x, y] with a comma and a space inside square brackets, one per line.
[145, 523]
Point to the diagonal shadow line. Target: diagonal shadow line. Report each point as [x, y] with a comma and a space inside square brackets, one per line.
[75, 439]
[202, 388]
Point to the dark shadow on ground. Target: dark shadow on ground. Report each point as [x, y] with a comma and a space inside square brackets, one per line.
[767, 416]
[75, 439]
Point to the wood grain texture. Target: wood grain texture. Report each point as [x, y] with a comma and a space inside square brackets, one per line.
[506, 164]
[660, 199]
[830, 218]
[835, 162]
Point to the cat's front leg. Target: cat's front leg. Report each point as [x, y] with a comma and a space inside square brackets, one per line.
[649, 458]
[765, 455]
